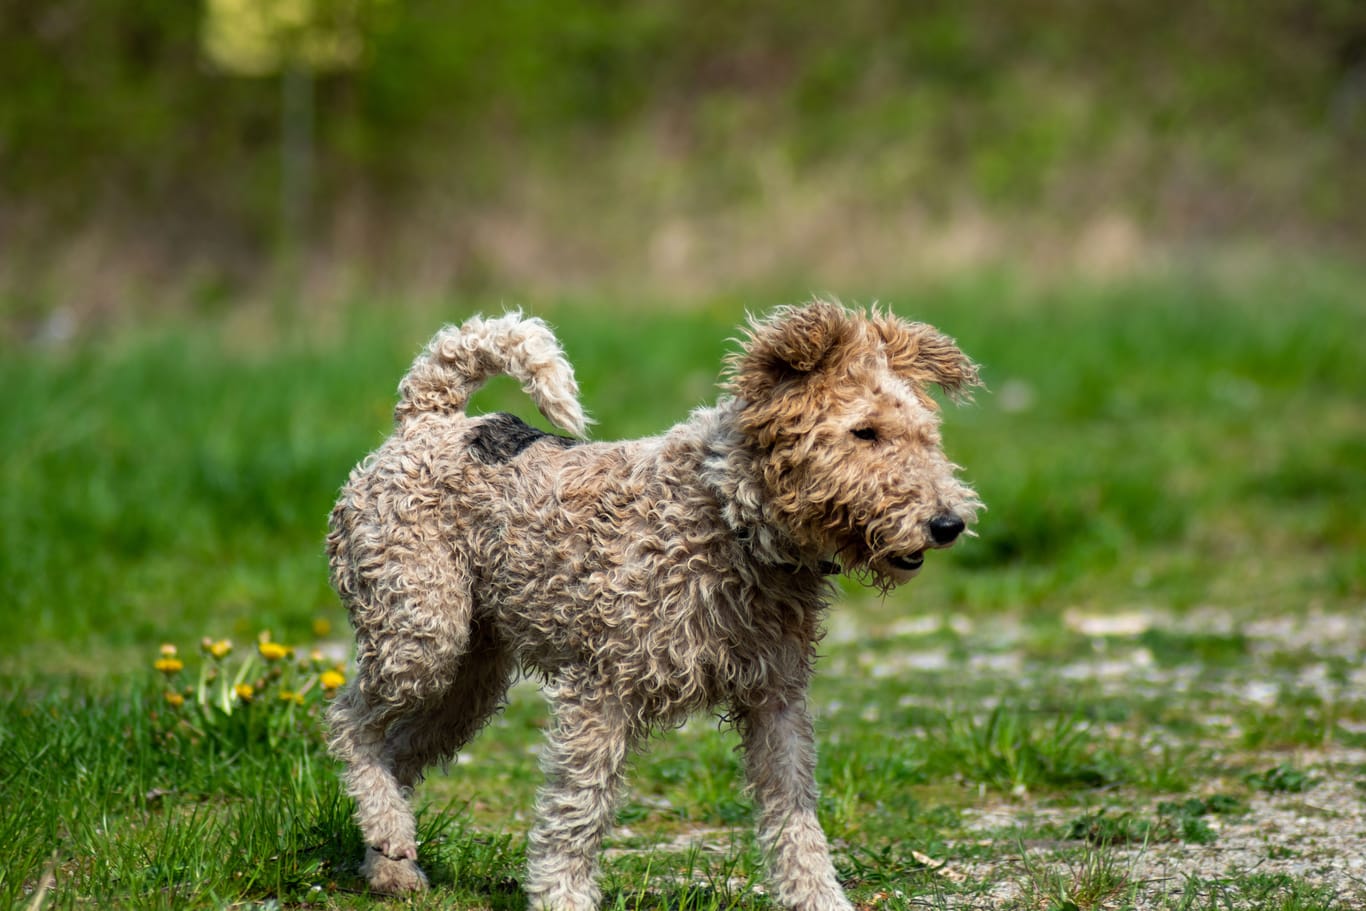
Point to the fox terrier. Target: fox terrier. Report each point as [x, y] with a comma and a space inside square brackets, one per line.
[642, 580]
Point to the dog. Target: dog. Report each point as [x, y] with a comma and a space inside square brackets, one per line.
[642, 580]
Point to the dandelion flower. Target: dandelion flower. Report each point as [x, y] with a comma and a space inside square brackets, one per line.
[331, 679]
[291, 696]
[273, 651]
[219, 648]
[175, 699]
[244, 691]
[321, 626]
[169, 665]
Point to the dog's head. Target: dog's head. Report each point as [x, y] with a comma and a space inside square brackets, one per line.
[834, 404]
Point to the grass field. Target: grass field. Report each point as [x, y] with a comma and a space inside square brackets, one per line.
[1141, 686]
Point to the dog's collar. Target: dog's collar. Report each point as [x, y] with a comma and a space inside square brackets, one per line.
[825, 567]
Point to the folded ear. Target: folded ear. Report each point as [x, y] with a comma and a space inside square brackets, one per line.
[922, 354]
[791, 342]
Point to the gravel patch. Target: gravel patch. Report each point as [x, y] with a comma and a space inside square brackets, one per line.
[1317, 837]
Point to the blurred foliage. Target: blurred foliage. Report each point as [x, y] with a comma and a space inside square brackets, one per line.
[1215, 113]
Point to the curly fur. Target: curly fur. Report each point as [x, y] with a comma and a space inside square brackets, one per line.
[643, 580]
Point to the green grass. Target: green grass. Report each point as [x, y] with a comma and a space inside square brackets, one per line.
[1181, 449]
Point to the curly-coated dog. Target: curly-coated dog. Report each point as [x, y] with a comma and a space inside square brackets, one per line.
[643, 580]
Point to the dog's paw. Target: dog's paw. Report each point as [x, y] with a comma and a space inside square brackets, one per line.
[407, 852]
[393, 876]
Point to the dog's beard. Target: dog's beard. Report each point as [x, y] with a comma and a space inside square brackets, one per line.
[880, 567]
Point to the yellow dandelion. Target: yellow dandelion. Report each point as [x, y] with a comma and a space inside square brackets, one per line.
[175, 699]
[273, 651]
[317, 656]
[321, 626]
[244, 691]
[291, 696]
[217, 648]
[168, 665]
[331, 680]
[168, 650]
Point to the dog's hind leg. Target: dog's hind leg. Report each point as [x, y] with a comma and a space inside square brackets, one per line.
[357, 733]
[590, 739]
[423, 736]
[407, 594]
[409, 650]
[434, 733]
[780, 760]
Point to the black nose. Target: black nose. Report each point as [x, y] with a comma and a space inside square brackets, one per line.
[946, 528]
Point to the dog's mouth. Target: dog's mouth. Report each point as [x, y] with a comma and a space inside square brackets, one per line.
[908, 562]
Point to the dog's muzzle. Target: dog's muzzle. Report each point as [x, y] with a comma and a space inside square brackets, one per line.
[944, 529]
[908, 562]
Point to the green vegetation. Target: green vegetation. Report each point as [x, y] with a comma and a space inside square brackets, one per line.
[1173, 821]
[1181, 450]
[1281, 778]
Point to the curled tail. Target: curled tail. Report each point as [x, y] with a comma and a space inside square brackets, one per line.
[459, 359]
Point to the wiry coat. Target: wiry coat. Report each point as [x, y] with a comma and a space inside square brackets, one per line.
[643, 580]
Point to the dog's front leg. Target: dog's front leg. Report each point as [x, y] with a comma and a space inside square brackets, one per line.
[584, 760]
[780, 762]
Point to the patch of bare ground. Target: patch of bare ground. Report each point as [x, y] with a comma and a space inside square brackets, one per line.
[1316, 838]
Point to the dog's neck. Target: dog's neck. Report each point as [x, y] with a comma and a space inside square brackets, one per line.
[728, 469]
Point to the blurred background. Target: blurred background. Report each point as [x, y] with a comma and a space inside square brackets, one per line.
[193, 156]
[226, 226]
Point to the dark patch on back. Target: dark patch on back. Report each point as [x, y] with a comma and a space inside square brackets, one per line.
[502, 437]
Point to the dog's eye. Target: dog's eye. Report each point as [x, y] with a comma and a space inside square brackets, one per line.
[865, 433]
